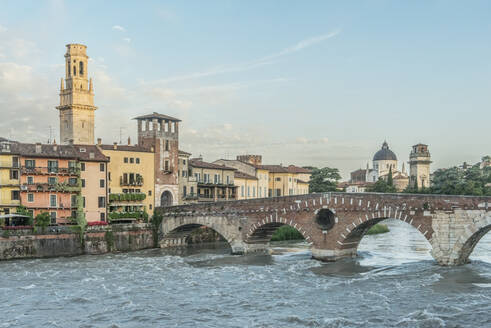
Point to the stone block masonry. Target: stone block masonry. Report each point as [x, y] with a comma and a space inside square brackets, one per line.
[66, 241]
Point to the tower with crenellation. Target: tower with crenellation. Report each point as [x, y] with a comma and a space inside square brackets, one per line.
[76, 98]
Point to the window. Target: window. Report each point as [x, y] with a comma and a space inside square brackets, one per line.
[150, 206]
[30, 198]
[30, 163]
[73, 200]
[74, 214]
[198, 177]
[184, 173]
[149, 193]
[15, 162]
[51, 181]
[137, 160]
[253, 191]
[132, 160]
[69, 70]
[192, 190]
[52, 200]
[14, 174]
[102, 167]
[228, 179]
[30, 180]
[278, 192]
[83, 202]
[81, 68]
[102, 202]
[167, 145]
[216, 179]
[126, 160]
[15, 195]
[242, 191]
[278, 179]
[103, 217]
[53, 217]
[184, 191]
[248, 191]
[166, 165]
[259, 192]
[83, 183]
[184, 161]
[74, 70]
[82, 166]
[72, 181]
[101, 183]
[53, 166]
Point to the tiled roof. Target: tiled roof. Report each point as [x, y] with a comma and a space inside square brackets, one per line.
[298, 169]
[47, 150]
[90, 153]
[126, 148]
[241, 175]
[182, 152]
[273, 168]
[301, 181]
[157, 116]
[195, 162]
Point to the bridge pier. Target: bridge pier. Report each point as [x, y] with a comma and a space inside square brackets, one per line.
[331, 255]
[241, 248]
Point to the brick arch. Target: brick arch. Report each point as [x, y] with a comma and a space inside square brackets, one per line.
[262, 231]
[472, 234]
[351, 234]
[179, 228]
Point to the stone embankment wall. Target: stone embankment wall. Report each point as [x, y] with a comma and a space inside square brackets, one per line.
[67, 241]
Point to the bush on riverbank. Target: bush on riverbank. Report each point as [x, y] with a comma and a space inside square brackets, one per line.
[286, 233]
[378, 228]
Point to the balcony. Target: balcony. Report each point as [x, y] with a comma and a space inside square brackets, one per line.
[50, 170]
[138, 182]
[47, 187]
[191, 196]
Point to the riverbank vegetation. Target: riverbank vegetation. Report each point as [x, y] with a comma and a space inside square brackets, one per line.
[286, 233]
[377, 229]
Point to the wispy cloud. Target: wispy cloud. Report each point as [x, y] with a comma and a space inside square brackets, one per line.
[266, 60]
[119, 28]
[127, 40]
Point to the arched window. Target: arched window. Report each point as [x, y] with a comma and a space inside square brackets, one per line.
[81, 65]
[74, 70]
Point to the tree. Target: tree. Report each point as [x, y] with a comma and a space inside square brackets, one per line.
[22, 210]
[390, 181]
[324, 179]
[43, 220]
[381, 186]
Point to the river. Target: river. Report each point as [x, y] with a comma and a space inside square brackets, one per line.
[393, 283]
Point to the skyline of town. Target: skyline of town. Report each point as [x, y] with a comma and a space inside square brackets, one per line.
[247, 99]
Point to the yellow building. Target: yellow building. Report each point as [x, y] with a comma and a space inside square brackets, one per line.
[9, 177]
[247, 185]
[131, 180]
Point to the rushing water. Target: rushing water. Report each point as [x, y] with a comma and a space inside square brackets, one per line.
[393, 283]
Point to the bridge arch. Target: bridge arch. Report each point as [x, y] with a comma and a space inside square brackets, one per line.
[350, 235]
[471, 235]
[175, 230]
[262, 231]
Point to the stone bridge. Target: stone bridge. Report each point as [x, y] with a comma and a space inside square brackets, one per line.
[335, 223]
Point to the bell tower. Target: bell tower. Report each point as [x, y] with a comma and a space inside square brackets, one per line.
[76, 98]
[419, 166]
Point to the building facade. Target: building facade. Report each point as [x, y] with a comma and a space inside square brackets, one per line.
[160, 134]
[188, 186]
[130, 173]
[93, 174]
[76, 109]
[50, 181]
[9, 177]
[215, 182]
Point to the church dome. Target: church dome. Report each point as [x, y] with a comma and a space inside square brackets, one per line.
[385, 154]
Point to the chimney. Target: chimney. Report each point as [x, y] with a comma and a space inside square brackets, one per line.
[55, 147]
[38, 148]
[99, 141]
[129, 141]
[115, 145]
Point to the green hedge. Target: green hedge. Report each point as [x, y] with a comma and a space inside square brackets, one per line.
[128, 215]
[139, 196]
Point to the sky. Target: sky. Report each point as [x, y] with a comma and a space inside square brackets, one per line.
[320, 83]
